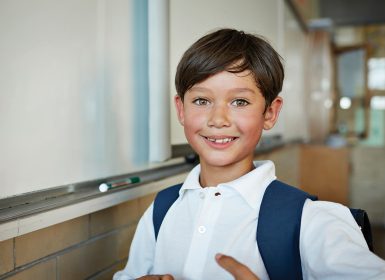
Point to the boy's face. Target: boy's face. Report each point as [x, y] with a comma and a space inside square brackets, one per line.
[223, 118]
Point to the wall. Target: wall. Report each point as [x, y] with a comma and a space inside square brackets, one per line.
[367, 186]
[91, 246]
[292, 123]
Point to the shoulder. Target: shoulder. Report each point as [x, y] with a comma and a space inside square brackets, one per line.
[320, 211]
[324, 224]
[325, 215]
[331, 243]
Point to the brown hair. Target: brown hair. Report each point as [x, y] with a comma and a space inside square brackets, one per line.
[234, 51]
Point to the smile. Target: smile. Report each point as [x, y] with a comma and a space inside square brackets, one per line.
[221, 140]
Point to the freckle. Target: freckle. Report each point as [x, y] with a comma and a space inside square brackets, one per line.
[217, 193]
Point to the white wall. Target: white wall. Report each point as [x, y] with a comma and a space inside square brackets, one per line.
[189, 20]
[293, 121]
[66, 78]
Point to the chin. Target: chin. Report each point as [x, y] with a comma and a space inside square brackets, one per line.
[218, 161]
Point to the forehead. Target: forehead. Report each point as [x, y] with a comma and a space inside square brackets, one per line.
[228, 82]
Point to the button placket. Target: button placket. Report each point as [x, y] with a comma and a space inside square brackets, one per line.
[205, 195]
[209, 197]
[203, 234]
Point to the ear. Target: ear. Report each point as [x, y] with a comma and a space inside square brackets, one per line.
[272, 113]
[179, 108]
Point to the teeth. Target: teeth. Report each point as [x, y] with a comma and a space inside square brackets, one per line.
[221, 141]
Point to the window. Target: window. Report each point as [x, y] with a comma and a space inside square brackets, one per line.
[376, 73]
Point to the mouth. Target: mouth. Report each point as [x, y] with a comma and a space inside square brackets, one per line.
[220, 140]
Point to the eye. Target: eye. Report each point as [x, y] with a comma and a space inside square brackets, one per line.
[201, 101]
[240, 102]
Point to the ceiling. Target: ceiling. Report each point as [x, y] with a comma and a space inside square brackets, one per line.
[353, 12]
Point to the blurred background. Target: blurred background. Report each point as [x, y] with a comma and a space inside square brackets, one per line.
[86, 91]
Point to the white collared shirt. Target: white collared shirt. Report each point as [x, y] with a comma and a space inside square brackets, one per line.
[223, 219]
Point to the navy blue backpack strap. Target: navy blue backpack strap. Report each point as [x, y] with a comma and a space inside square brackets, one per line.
[163, 201]
[278, 230]
[362, 220]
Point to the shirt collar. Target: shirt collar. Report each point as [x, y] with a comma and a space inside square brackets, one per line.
[250, 186]
[192, 180]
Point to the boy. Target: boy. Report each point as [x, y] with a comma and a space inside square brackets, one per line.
[228, 84]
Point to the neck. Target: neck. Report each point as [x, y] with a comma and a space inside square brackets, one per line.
[214, 175]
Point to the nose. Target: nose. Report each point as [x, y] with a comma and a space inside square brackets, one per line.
[219, 116]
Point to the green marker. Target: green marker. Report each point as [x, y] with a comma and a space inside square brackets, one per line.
[125, 182]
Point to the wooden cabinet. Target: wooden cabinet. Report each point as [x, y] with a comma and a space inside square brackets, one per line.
[324, 172]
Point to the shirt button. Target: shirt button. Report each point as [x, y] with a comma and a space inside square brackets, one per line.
[201, 195]
[201, 229]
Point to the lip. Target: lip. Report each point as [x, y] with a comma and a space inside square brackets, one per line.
[219, 141]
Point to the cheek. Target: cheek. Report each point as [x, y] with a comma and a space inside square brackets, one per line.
[250, 122]
[193, 114]
[251, 126]
[193, 122]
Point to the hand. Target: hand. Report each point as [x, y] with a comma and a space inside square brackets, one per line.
[156, 277]
[238, 270]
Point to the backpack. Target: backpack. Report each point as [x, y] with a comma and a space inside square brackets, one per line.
[278, 229]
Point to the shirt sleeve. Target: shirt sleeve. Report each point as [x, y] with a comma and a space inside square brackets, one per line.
[332, 245]
[142, 250]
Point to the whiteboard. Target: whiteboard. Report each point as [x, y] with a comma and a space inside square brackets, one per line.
[68, 93]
